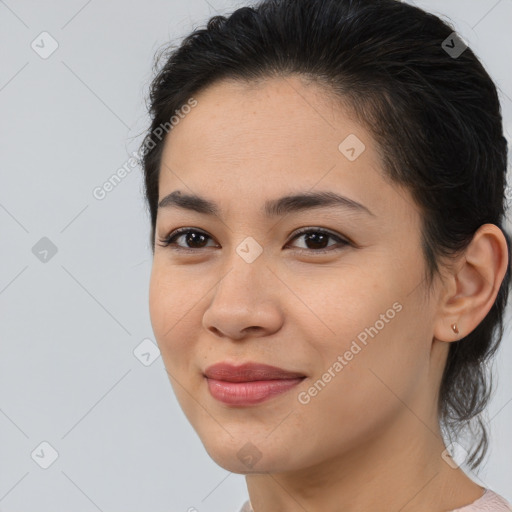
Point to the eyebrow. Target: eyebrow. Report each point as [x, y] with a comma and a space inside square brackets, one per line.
[272, 208]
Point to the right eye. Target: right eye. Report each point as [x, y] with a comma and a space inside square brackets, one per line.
[191, 236]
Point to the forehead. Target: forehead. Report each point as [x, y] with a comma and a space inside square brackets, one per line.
[269, 139]
[277, 114]
[280, 125]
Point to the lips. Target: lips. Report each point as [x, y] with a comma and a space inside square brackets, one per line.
[249, 384]
[248, 372]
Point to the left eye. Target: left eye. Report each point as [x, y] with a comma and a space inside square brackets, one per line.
[318, 237]
[312, 236]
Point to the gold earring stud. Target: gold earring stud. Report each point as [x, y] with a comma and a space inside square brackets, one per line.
[455, 329]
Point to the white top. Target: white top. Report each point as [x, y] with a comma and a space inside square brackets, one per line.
[488, 502]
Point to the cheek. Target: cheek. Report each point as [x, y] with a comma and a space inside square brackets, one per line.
[349, 400]
[360, 329]
[344, 303]
[158, 302]
[171, 302]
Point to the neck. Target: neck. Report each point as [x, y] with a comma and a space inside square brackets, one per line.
[399, 468]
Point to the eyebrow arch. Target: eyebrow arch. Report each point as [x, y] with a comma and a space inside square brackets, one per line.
[272, 208]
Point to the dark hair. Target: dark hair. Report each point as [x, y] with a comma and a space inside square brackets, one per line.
[435, 116]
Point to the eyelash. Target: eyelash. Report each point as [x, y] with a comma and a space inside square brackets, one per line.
[170, 239]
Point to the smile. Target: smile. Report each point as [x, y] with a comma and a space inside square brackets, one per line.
[250, 392]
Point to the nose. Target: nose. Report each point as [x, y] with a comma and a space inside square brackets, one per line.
[245, 302]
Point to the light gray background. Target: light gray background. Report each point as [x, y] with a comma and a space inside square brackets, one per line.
[69, 326]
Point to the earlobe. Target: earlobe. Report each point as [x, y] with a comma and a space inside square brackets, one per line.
[476, 280]
[449, 333]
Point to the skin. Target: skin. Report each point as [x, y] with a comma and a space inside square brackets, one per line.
[369, 440]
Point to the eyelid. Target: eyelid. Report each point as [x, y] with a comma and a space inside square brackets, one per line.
[318, 229]
[344, 241]
[176, 233]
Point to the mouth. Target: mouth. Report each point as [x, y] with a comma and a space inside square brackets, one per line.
[248, 372]
[250, 383]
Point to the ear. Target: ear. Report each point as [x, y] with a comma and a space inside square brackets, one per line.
[473, 284]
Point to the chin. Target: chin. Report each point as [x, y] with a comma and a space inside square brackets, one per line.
[243, 456]
[231, 462]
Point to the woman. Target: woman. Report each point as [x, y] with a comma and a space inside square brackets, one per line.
[330, 266]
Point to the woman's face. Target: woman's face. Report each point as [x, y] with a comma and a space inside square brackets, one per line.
[350, 317]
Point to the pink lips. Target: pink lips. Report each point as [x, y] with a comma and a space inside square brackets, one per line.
[250, 383]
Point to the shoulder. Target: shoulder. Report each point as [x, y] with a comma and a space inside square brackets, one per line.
[488, 502]
[246, 507]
